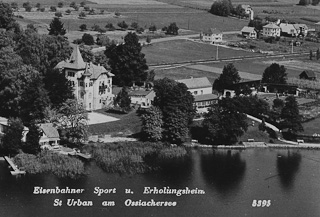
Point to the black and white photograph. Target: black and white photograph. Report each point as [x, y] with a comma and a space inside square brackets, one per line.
[159, 108]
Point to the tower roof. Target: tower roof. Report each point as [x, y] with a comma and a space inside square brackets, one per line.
[74, 62]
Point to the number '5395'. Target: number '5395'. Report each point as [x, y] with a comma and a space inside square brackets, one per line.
[261, 203]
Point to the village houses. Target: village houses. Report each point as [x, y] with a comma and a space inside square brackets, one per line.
[249, 32]
[92, 83]
[201, 89]
[272, 30]
[49, 135]
[212, 35]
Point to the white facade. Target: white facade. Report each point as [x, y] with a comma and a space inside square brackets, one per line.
[92, 83]
[212, 36]
[144, 98]
[249, 32]
[271, 30]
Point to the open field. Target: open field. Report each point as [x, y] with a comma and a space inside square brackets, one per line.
[183, 50]
[311, 127]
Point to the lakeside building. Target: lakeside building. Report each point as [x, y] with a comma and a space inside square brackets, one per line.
[92, 84]
[211, 35]
[49, 135]
[4, 125]
[201, 89]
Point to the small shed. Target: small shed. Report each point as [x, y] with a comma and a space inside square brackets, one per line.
[308, 75]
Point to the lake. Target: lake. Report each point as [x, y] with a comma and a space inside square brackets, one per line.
[288, 181]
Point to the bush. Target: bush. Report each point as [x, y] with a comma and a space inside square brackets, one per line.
[77, 41]
[28, 8]
[92, 12]
[95, 27]
[152, 28]
[82, 4]
[53, 8]
[68, 11]
[42, 9]
[58, 14]
[83, 27]
[82, 15]
[72, 4]
[123, 25]
[86, 8]
[110, 27]
[60, 4]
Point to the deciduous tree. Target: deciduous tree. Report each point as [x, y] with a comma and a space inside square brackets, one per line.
[229, 76]
[11, 141]
[123, 100]
[290, 116]
[152, 124]
[6, 15]
[274, 74]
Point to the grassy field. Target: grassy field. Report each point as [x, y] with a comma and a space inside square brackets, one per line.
[183, 50]
[311, 127]
[128, 124]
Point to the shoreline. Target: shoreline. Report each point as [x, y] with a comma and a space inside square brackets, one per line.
[259, 145]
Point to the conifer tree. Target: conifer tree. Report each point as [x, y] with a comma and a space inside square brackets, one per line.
[56, 27]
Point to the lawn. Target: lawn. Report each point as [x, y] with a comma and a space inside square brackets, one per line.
[184, 50]
[311, 127]
[128, 124]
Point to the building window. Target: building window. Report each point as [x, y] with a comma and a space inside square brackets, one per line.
[86, 84]
[71, 74]
[90, 84]
[100, 101]
[201, 92]
[81, 83]
[195, 92]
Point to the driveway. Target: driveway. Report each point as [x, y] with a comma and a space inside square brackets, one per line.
[97, 118]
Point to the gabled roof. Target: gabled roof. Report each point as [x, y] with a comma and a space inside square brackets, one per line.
[286, 27]
[298, 25]
[141, 92]
[212, 31]
[94, 71]
[309, 73]
[74, 62]
[192, 83]
[248, 29]
[49, 130]
[271, 26]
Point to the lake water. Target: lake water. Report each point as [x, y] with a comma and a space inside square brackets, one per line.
[290, 179]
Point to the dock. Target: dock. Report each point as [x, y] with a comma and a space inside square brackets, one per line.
[16, 170]
[81, 155]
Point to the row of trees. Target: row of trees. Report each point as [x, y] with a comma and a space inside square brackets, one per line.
[225, 8]
[307, 2]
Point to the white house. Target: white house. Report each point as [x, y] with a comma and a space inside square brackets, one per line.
[201, 89]
[288, 29]
[249, 32]
[211, 35]
[49, 135]
[271, 29]
[92, 83]
[142, 96]
[4, 126]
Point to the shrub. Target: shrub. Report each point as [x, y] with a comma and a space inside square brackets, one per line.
[68, 11]
[53, 8]
[152, 28]
[42, 9]
[82, 14]
[92, 12]
[77, 41]
[86, 8]
[83, 27]
[82, 4]
[58, 14]
[95, 27]
[28, 8]
[123, 25]
[60, 4]
[117, 14]
[110, 27]
[73, 4]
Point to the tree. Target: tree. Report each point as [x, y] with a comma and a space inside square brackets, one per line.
[56, 27]
[290, 116]
[103, 40]
[86, 53]
[229, 76]
[82, 4]
[176, 104]
[11, 141]
[95, 27]
[274, 74]
[110, 27]
[134, 25]
[38, 6]
[153, 28]
[58, 14]
[82, 15]
[278, 104]
[172, 29]
[127, 62]
[148, 39]
[83, 27]
[223, 123]
[87, 39]
[123, 25]
[31, 145]
[14, 5]
[221, 8]
[123, 100]
[152, 124]
[303, 2]
[68, 11]
[58, 88]
[71, 119]
[73, 4]
[92, 12]
[6, 15]
[256, 23]
[240, 11]
[53, 8]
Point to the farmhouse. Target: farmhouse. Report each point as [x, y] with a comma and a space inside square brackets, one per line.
[248, 10]
[4, 125]
[308, 75]
[211, 35]
[92, 83]
[288, 30]
[142, 96]
[249, 32]
[49, 135]
[302, 29]
[271, 29]
[201, 89]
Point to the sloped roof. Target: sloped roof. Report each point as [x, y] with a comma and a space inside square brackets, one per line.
[247, 29]
[94, 71]
[286, 27]
[271, 26]
[192, 83]
[298, 25]
[74, 62]
[49, 130]
[309, 73]
[212, 31]
[4, 121]
[205, 97]
[141, 92]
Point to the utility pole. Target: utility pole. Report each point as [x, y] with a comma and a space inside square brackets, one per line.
[217, 54]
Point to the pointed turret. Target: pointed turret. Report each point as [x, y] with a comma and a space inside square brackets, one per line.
[76, 59]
